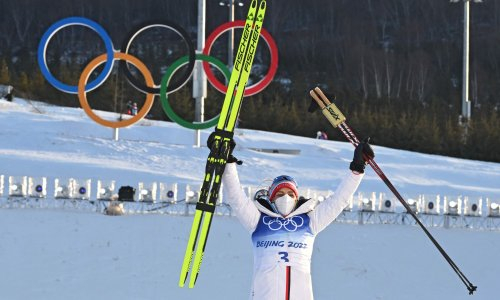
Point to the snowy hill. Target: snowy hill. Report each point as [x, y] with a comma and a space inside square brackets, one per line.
[67, 254]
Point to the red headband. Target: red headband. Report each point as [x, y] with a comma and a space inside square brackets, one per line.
[286, 184]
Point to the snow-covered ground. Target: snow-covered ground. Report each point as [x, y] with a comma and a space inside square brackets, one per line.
[68, 254]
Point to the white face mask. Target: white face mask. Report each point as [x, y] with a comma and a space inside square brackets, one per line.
[285, 205]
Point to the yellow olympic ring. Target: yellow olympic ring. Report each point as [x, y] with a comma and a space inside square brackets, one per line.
[82, 94]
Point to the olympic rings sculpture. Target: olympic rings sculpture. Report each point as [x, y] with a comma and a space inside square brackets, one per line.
[150, 88]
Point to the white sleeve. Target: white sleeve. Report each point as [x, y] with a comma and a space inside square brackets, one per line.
[328, 210]
[244, 209]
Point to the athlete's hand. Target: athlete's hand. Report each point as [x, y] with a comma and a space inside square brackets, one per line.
[362, 153]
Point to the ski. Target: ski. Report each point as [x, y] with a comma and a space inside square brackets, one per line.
[338, 120]
[222, 138]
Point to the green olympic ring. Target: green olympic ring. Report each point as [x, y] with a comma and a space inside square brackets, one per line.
[166, 79]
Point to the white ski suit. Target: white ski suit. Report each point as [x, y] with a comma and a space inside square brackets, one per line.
[283, 247]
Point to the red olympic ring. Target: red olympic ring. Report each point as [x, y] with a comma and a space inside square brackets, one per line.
[255, 88]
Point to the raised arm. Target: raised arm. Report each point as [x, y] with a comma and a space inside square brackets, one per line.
[241, 205]
[328, 210]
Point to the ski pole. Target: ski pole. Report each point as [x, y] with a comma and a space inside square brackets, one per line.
[337, 119]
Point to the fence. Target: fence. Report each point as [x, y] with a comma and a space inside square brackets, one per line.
[448, 211]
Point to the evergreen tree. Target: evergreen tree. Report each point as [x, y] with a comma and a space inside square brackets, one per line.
[4, 72]
[23, 83]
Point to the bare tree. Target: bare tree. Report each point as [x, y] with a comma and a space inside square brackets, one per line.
[388, 77]
[364, 86]
[22, 19]
[376, 79]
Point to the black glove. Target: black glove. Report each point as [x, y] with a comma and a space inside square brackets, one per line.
[211, 139]
[358, 161]
[314, 106]
[232, 145]
[232, 159]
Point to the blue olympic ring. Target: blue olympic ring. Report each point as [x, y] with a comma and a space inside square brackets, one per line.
[42, 48]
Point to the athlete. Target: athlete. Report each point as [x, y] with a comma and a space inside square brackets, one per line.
[284, 226]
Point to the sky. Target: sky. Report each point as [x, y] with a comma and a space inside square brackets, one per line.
[52, 249]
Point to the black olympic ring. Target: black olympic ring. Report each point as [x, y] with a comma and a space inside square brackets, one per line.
[173, 86]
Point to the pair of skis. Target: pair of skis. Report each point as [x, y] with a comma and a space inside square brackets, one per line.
[221, 144]
[337, 119]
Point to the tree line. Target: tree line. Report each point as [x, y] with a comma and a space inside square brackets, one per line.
[395, 66]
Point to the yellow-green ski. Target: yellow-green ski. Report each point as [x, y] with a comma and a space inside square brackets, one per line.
[220, 148]
[247, 66]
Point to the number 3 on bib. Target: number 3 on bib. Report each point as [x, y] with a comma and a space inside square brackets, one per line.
[284, 256]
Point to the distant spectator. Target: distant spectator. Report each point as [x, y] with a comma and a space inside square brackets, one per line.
[321, 135]
[129, 107]
[134, 109]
